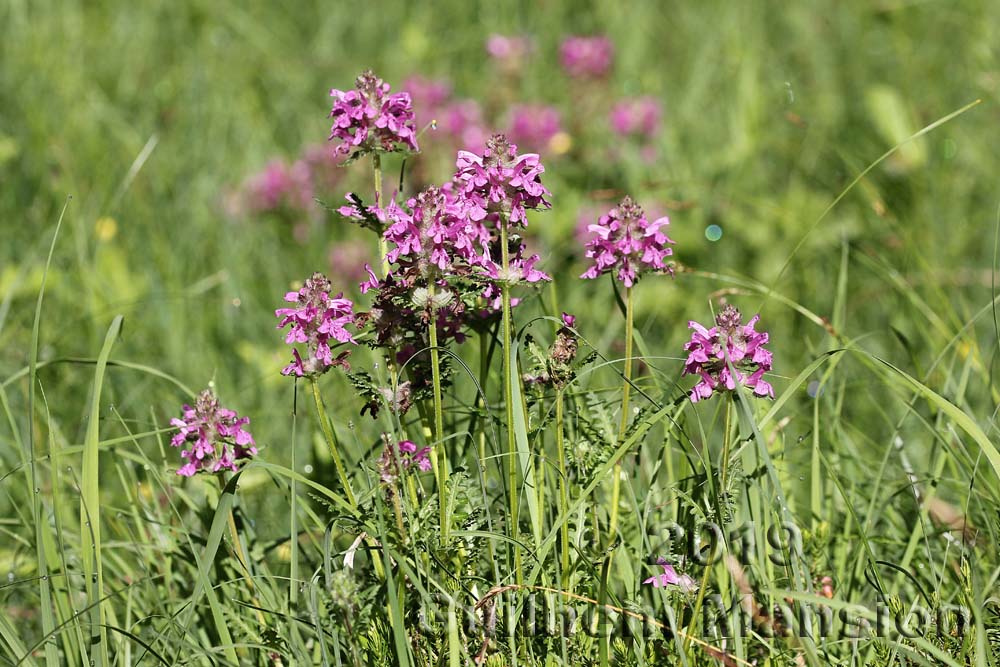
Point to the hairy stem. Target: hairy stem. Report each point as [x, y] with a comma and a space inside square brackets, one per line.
[440, 465]
[508, 393]
[383, 247]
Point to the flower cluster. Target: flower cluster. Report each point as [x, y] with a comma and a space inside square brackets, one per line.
[279, 186]
[215, 437]
[409, 456]
[315, 320]
[500, 181]
[436, 238]
[509, 51]
[624, 240]
[670, 577]
[538, 126]
[728, 353]
[586, 57]
[636, 117]
[370, 119]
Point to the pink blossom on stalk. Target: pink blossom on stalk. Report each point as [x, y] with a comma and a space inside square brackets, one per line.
[624, 240]
[639, 117]
[730, 343]
[370, 119]
[408, 456]
[500, 181]
[586, 57]
[215, 436]
[510, 51]
[671, 578]
[534, 124]
[316, 319]
[436, 237]
[413, 456]
[279, 186]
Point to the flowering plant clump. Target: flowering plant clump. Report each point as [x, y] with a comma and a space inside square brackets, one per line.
[369, 119]
[500, 181]
[586, 57]
[728, 353]
[317, 319]
[626, 242]
[215, 437]
[670, 577]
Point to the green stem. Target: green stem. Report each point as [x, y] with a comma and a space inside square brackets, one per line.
[563, 491]
[616, 480]
[508, 394]
[331, 442]
[723, 471]
[383, 247]
[440, 465]
[626, 391]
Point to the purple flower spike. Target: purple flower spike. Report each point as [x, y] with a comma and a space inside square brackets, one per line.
[316, 319]
[671, 578]
[626, 242]
[711, 352]
[369, 119]
[436, 239]
[215, 437]
[586, 57]
[500, 181]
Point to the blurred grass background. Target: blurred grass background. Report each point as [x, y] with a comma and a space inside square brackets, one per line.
[146, 112]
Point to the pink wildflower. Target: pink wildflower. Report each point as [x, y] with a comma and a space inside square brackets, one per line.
[638, 117]
[412, 456]
[215, 435]
[317, 319]
[509, 51]
[437, 237]
[500, 181]
[586, 57]
[711, 352]
[534, 124]
[671, 578]
[370, 119]
[279, 186]
[625, 240]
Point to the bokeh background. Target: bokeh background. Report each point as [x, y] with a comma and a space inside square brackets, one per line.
[157, 117]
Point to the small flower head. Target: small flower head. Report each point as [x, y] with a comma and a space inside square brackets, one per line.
[279, 187]
[586, 57]
[500, 182]
[639, 117]
[728, 353]
[509, 51]
[435, 238]
[368, 118]
[670, 577]
[626, 242]
[535, 125]
[317, 320]
[408, 456]
[214, 437]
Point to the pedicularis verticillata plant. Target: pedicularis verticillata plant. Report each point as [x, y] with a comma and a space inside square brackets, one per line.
[450, 258]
